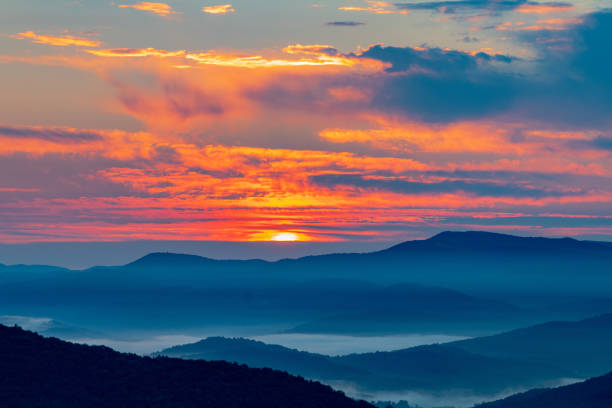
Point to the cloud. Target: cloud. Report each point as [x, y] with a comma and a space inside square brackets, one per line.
[52, 134]
[310, 56]
[604, 143]
[160, 9]
[313, 49]
[345, 23]
[136, 52]
[116, 185]
[452, 7]
[578, 87]
[61, 40]
[545, 8]
[441, 85]
[551, 24]
[375, 7]
[405, 186]
[363, 142]
[565, 85]
[219, 9]
[491, 6]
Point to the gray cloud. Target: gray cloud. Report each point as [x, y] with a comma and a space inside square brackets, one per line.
[53, 134]
[345, 23]
[479, 188]
[491, 6]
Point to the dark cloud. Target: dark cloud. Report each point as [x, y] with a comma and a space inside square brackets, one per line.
[431, 60]
[574, 84]
[439, 85]
[568, 86]
[52, 134]
[604, 143]
[403, 186]
[491, 6]
[166, 154]
[345, 23]
[66, 176]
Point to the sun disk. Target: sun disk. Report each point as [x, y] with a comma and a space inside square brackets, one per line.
[285, 237]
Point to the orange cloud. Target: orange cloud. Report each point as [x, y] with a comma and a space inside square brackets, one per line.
[219, 9]
[61, 41]
[179, 190]
[315, 49]
[552, 24]
[376, 7]
[318, 56]
[465, 137]
[544, 8]
[136, 52]
[312, 56]
[161, 9]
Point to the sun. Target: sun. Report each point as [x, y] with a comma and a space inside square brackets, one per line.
[285, 237]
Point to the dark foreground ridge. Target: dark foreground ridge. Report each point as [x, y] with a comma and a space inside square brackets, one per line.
[593, 393]
[47, 372]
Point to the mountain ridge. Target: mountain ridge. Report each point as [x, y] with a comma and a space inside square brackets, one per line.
[592, 393]
[443, 240]
[47, 372]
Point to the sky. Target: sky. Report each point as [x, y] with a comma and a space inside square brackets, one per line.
[336, 121]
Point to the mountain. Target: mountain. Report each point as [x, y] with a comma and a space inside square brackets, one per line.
[258, 354]
[47, 372]
[582, 347]
[163, 291]
[593, 393]
[49, 327]
[483, 241]
[522, 358]
[425, 368]
[445, 368]
[417, 309]
[478, 262]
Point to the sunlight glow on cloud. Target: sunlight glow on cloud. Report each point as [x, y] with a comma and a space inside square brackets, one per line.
[136, 52]
[161, 9]
[552, 24]
[545, 8]
[320, 55]
[166, 188]
[315, 49]
[324, 142]
[376, 7]
[61, 41]
[219, 9]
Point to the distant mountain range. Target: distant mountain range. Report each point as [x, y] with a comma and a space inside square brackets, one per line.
[521, 358]
[395, 290]
[581, 347]
[48, 327]
[416, 309]
[593, 393]
[46, 372]
[257, 354]
[432, 368]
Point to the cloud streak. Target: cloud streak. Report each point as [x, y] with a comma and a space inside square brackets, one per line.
[56, 40]
[136, 53]
[160, 9]
[376, 7]
[327, 144]
[344, 23]
[491, 6]
[219, 9]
